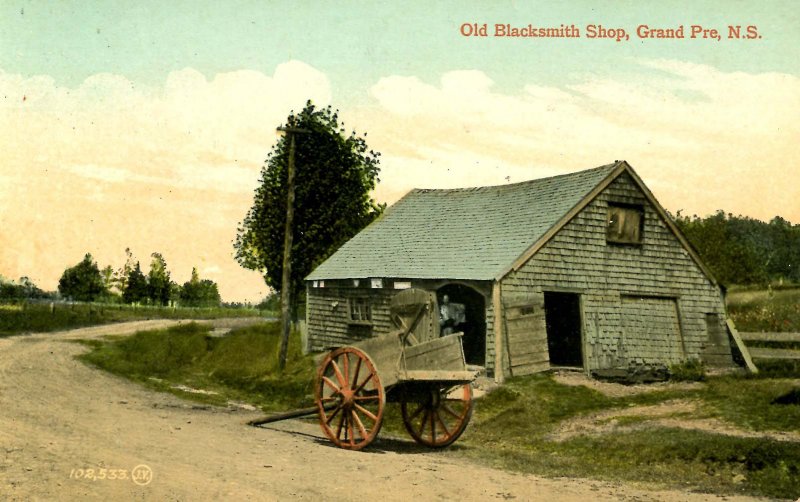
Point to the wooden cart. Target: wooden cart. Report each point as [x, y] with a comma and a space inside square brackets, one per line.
[413, 365]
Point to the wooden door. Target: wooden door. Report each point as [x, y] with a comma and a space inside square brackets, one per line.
[526, 334]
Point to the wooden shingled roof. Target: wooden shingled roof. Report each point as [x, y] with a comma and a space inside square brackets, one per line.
[464, 233]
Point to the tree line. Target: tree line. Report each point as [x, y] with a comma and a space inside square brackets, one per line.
[743, 250]
[87, 282]
[21, 290]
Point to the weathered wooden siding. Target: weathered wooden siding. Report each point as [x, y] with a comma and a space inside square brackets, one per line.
[328, 315]
[652, 323]
[578, 259]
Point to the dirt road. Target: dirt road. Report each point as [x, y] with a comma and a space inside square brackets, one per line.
[60, 418]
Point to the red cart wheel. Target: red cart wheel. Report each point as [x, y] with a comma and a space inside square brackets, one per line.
[350, 398]
[440, 417]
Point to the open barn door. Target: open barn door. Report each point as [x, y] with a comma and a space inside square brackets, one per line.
[564, 341]
[467, 314]
[526, 329]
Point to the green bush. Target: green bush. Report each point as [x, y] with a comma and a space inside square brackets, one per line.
[692, 370]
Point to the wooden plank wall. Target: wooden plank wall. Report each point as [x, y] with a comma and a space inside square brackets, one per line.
[578, 259]
[718, 351]
[328, 316]
[653, 322]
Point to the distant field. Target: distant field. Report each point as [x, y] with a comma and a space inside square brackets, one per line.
[17, 318]
[765, 309]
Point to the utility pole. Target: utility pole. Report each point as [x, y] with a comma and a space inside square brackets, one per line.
[286, 283]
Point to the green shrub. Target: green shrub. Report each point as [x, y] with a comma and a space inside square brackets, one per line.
[692, 370]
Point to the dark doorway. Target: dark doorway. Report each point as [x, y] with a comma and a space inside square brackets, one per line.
[474, 323]
[563, 318]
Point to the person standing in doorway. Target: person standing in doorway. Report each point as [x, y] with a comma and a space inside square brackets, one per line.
[446, 321]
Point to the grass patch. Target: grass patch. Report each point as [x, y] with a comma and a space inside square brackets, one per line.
[687, 459]
[44, 317]
[510, 430]
[241, 366]
[747, 403]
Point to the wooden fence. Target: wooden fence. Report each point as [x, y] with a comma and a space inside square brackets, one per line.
[761, 352]
[759, 348]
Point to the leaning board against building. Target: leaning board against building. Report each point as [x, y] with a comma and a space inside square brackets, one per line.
[581, 270]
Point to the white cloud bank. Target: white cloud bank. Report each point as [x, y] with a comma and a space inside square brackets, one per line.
[126, 132]
[702, 138]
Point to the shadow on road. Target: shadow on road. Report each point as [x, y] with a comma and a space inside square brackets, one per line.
[381, 444]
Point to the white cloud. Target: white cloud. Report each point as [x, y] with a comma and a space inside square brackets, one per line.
[708, 138]
[109, 128]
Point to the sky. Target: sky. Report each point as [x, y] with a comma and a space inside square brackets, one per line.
[144, 125]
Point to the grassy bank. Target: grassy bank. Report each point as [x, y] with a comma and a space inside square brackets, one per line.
[241, 366]
[512, 428]
[16, 318]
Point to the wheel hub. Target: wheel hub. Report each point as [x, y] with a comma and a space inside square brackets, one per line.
[347, 396]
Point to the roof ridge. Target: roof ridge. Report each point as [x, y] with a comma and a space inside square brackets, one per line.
[610, 167]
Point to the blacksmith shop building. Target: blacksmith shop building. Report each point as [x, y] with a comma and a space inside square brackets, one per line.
[582, 270]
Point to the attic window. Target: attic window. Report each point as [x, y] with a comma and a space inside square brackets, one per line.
[625, 224]
[360, 311]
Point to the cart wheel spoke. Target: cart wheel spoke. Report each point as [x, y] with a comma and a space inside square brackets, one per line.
[450, 411]
[333, 415]
[350, 433]
[366, 380]
[443, 425]
[346, 369]
[338, 372]
[330, 384]
[423, 422]
[342, 420]
[416, 413]
[432, 415]
[354, 415]
[361, 429]
[366, 412]
[365, 398]
[444, 410]
[356, 372]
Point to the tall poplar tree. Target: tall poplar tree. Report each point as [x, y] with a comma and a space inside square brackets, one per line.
[334, 175]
